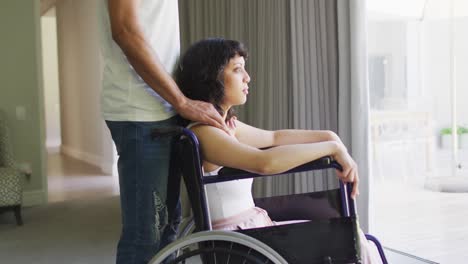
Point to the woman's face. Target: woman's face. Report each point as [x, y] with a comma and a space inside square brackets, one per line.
[236, 80]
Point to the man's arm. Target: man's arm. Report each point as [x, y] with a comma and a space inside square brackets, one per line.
[127, 33]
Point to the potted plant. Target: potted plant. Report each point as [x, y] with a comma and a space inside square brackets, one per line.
[463, 139]
[446, 137]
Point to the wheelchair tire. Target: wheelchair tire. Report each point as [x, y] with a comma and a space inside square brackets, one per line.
[241, 249]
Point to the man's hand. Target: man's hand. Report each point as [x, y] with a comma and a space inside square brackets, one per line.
[203, 112]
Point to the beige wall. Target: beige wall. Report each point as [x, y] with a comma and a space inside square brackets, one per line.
[21, 89]
[84, 135]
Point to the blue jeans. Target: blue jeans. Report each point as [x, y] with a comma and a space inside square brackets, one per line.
[143, 168]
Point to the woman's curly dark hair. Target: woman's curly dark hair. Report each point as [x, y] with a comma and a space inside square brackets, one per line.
[200, 71]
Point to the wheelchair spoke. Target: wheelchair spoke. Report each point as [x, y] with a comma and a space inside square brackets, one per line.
[248, 253]
[214, 252]
[229, 257]
[221, 247]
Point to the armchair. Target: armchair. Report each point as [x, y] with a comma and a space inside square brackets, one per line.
[11, 184]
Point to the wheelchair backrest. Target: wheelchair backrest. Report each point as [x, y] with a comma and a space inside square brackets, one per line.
[192, 173]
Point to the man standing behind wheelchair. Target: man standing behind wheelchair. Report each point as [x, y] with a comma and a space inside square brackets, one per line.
[140, 45]
[213, 70]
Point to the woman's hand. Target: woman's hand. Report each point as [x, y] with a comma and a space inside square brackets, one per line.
[350, 170]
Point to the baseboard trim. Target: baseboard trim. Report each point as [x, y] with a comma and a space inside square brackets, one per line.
[33, 198]
[53, 146]
[92, 159]
[53, 150]
[107, 168]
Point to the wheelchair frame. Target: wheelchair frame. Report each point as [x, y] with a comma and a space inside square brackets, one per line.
[188, 149]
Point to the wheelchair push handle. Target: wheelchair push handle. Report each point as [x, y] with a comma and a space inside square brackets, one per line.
[167, 131]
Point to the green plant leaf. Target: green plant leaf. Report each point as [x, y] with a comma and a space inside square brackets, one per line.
[448, 130]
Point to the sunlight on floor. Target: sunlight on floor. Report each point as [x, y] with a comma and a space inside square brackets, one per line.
[424, 223]
[70, 179]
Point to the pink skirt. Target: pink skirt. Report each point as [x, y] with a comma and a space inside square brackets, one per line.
[252, 218]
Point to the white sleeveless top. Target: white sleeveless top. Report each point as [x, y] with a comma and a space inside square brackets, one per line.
[125, 96]
[226, 199]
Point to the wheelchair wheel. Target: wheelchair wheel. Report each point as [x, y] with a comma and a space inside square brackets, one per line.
[217, 247]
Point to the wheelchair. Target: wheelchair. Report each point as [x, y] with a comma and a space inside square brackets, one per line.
[328, 236]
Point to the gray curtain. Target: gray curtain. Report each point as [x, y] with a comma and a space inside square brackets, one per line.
[353, 108]
[314, 67]
[294, 64]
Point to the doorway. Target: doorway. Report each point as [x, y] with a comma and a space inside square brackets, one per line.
[72, 172]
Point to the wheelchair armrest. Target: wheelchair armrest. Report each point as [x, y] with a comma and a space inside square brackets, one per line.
[229, 174]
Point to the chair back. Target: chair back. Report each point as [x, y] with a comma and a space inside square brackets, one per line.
[11, 178]
[6, 156]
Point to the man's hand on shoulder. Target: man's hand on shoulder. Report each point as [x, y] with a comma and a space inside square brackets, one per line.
[202, 112]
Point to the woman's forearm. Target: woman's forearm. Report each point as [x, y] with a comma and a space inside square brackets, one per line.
[283, 158]
[296, 136]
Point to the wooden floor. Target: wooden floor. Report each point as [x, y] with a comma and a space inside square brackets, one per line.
[70, 179]
[427, 224]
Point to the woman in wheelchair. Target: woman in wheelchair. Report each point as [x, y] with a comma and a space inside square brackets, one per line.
[213, 70]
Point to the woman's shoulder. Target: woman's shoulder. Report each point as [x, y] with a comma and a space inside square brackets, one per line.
[200, 128]
[194, 124]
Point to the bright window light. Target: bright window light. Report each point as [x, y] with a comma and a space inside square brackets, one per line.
[404, 9]
[415, 9]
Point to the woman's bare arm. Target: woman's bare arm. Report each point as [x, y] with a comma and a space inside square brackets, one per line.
[221, 149]
[260, 138]
[297, 146]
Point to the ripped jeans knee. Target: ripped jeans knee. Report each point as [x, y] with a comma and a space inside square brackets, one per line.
[161, 214]
[167, 220]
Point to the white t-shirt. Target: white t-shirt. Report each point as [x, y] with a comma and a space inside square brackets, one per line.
[125, 96]
[226, 199]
